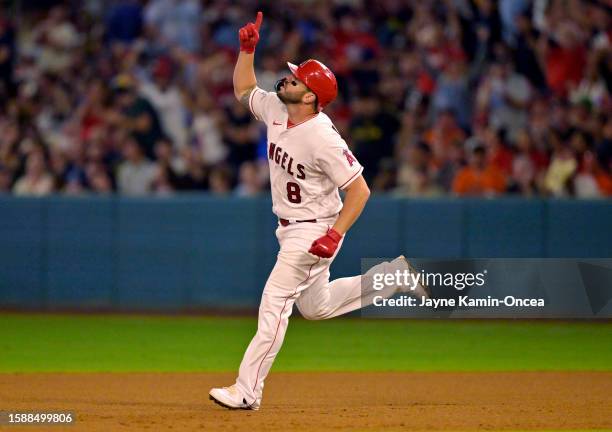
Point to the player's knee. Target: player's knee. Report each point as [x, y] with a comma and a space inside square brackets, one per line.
[309, 315]
[314, 314]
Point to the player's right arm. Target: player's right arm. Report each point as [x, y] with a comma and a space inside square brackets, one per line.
[261, 103]
[244, 73]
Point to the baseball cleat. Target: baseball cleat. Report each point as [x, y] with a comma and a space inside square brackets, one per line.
[229, 397]
[421, 289]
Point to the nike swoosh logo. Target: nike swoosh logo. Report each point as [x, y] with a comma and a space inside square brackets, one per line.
[276, 124]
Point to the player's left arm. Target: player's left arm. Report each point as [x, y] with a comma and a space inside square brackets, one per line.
[337, 161]
[357, 194]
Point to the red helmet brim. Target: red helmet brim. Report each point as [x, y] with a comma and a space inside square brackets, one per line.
[293, 68]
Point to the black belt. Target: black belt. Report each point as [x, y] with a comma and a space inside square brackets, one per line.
[285, 222]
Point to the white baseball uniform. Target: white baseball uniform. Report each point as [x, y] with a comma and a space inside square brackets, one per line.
[309, 162]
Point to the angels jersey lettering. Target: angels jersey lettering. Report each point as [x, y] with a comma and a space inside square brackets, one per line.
[308, 161]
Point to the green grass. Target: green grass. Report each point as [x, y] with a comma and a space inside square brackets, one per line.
[42, 342]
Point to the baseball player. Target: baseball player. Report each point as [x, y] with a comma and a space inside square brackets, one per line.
[309, 161]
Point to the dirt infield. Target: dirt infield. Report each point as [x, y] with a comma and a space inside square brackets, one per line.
[320, 401]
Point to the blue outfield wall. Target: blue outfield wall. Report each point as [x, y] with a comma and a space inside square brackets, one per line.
[198, 251]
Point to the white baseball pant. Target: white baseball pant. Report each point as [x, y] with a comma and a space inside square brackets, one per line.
[302, 278]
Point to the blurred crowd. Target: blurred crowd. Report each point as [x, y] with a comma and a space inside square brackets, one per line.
[463, 97]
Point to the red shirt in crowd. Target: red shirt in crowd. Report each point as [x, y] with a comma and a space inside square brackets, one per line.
[564, 66]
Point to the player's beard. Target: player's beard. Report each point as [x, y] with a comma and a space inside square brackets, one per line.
[288, 98]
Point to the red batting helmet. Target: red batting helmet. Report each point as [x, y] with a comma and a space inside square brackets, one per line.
[318, 78]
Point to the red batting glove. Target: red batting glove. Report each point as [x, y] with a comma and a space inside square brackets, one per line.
[249, 35]
[326, 246]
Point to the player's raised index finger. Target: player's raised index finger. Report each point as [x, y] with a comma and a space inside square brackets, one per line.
[259, 20]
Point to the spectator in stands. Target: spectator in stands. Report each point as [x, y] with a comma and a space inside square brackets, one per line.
[504, 95]
[134, 114]
[456, 77]
[525, 57]
[509, 11]
[522, 78]
[539, 123]
[136, 173]
[196, 172]
[221, 180]
[585, 184]
[73, 186]
[372, 130]
[174, 22]
[170, 168]
[479, 178]
[167, 100]
[417, 178]
[385, 179]
[562, 167]
[498, 153]
[528, 165]
[37, 180]
[98, 179]
[424, 185]
[592, 89]
[58, 166]
[443, 135]
[249, 180]
[445, 169]
[162, 183]
[206, 129]
[89, 115]
[240, 134]
[564, 54]
[56, 38]
[415, 169]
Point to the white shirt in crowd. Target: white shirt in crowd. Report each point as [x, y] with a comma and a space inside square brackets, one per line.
[136, 178]
[171, 111]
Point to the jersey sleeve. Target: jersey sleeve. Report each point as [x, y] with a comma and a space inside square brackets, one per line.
[262, 103]
[337, 161]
